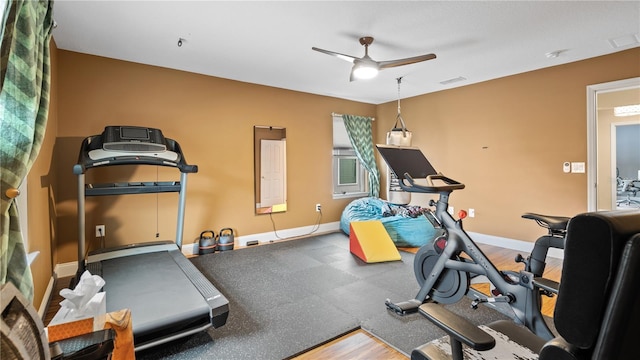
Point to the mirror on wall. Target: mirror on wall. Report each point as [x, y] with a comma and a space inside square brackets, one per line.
[270, 164]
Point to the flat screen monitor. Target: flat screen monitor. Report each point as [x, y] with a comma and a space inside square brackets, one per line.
[403, 159]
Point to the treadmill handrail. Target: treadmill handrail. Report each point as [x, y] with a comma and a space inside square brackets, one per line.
[95, 142]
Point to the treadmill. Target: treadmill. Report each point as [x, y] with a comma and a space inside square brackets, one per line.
[168, 296]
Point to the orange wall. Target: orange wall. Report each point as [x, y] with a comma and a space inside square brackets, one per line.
[41, 184]
[213, 120]
[506, 140]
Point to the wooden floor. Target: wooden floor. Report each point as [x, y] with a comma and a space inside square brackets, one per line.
[362, 345]
[356, 345]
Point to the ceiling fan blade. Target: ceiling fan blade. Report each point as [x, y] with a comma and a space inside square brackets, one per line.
[407, 61]
[348, 58]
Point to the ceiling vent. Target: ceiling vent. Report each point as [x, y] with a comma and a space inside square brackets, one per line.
[454, 80]
[625, 41]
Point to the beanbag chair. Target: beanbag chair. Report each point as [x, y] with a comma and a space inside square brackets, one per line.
[407, 226]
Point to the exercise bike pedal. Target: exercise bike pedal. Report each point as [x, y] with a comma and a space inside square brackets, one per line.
[547, 293]
[503, 298]
[404, 307]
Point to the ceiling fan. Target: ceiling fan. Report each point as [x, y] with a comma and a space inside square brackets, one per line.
[367, 68]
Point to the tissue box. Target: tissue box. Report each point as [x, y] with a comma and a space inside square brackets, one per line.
[84, 301]
[69, 329]
[96, 306]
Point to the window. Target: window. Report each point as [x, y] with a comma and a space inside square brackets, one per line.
[349, 176]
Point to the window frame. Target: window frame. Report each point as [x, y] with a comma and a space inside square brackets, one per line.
[342, 149]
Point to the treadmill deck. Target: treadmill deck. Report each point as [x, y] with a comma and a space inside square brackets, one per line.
[163, 299]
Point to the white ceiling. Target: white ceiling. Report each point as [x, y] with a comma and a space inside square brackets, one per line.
[269, 42]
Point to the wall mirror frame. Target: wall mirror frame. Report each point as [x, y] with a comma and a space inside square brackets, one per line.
[270, 169]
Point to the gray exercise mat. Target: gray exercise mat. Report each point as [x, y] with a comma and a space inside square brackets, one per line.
[290, 296]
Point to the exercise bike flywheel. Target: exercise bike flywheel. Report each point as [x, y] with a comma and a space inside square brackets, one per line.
[451, 286]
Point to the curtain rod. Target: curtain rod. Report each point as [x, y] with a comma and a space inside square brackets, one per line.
[336, 114]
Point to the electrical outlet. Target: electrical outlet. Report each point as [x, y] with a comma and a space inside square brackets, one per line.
[472, 212]
[100, 231]
[318, 207]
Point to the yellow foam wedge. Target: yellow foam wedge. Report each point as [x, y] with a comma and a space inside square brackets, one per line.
[370, 241]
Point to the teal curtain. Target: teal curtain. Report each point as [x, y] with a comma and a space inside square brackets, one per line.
[361, 137]
[24, 106]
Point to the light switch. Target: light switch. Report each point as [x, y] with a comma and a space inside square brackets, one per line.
[577, 167]
[566, 167]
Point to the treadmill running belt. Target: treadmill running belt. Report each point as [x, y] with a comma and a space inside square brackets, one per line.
[156, 290]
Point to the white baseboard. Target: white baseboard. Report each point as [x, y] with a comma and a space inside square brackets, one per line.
[289, 233]
[69, 269]
[267, 237]
[66, 269]
[44, 304]
[192, 249]
[512, 244]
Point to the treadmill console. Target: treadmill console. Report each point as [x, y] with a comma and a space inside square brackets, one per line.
[131, 142]
[133, 139]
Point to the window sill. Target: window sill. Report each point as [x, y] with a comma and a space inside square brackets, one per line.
[31, 257]
[350, 195]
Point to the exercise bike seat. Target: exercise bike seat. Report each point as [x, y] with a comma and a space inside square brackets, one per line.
[553, 223]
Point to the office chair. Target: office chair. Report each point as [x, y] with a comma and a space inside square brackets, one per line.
[629, 188]
[597, 309]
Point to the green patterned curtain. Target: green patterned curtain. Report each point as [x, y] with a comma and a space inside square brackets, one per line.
[361, 137]
[24, 106]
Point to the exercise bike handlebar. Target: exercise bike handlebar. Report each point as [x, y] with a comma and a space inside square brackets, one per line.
[431, 187]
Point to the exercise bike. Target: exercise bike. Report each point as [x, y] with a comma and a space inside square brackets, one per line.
[444, 275]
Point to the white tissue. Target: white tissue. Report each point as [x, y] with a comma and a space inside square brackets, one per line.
[83, 301]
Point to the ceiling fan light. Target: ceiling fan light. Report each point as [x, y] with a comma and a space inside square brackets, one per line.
[364, 71]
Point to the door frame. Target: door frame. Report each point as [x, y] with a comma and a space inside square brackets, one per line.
[592, 131]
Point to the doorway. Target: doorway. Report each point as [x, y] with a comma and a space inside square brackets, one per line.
[625, 156]
[601, 173]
